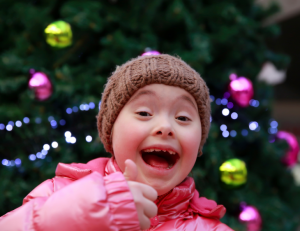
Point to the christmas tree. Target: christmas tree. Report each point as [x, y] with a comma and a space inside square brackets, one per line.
[52, 77]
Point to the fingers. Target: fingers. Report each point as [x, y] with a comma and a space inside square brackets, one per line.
[130, 172]
[144, 222]
[148, 192]
[150, 208]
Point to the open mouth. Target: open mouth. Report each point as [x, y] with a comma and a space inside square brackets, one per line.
[162, 159]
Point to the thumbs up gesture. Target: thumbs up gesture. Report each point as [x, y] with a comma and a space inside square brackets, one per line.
[143, 195]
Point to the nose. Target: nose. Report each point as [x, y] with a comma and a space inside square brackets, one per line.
[164, 129]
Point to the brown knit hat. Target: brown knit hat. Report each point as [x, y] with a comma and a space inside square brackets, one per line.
[142, 71]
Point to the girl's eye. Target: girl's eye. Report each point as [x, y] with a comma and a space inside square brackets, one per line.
[143, 113]
[183, 118]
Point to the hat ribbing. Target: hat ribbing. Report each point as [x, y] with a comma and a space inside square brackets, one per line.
[145, 70]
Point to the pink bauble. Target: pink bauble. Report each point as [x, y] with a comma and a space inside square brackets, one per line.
[41, 86]
[291, 156]
[241, 90]
[151, 53]
[251, 217]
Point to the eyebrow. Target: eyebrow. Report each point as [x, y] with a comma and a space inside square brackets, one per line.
[188, 99]
[143, 92]
[148, 92]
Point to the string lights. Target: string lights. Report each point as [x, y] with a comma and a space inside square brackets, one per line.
[46, 147]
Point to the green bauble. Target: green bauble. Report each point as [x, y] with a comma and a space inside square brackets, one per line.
[59, 34]
[233, 173]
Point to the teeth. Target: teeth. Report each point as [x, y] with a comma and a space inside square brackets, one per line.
[157, 150]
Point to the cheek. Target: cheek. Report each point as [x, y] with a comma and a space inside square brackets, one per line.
[190, 140]
[127, 136]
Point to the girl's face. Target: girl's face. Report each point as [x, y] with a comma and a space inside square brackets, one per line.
[160, 130]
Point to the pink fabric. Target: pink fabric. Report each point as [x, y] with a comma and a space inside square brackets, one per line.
[95, 196]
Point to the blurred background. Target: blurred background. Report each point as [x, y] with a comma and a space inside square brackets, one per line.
[56, 56]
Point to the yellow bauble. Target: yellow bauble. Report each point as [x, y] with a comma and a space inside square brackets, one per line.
[233, 173]
[59, 34]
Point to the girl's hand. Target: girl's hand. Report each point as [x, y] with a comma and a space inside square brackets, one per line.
[143, 195]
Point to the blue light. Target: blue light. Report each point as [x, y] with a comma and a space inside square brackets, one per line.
[244, 132]
[32, 157]
[253, 125]
[62, 122]
[254, 103]
[218, 101]
[233, 133]
[224, 101]
[69, 110]
[86, 107]
[18, 123]
[53, 123]
[210, 119]
[230, 105]
[39, 155]
[18, 161]
[75, 109]
[234, 115]
[11, 123]
[81, 107]
[44, 152]
[274, 124]
[38, 120]
[223, 127]
[272, 130]
[9, 127]
[212, 98]
[88, 138]
[225, 134]
[50, 118]
[2, 126]
[92, 105]
[5, 162]
[26, 120]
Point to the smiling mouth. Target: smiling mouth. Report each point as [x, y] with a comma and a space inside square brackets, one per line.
[160, 159]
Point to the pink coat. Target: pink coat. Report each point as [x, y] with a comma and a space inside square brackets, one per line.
[95, 196]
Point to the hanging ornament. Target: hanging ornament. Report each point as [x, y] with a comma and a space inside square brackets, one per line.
[233, 173]
[59, 34]
[291, 156]
[148, 51]
[41, 85]
[250, 215]
[270, 74]
[241, 90]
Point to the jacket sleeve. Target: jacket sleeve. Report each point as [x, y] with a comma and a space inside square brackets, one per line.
[91, 203]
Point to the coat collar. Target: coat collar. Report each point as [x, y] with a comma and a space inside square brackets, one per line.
[181, 201]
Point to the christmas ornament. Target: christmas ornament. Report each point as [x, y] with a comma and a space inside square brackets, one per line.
[41, 85]
[291, 157]
[271, 75]
[233, 173]
[59, 34]
[241, 90]
[151, 53]
[251, 217]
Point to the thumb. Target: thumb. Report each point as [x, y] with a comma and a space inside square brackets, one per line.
[130, 172]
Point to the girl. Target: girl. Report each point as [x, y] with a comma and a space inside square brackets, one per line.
[154, 120]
